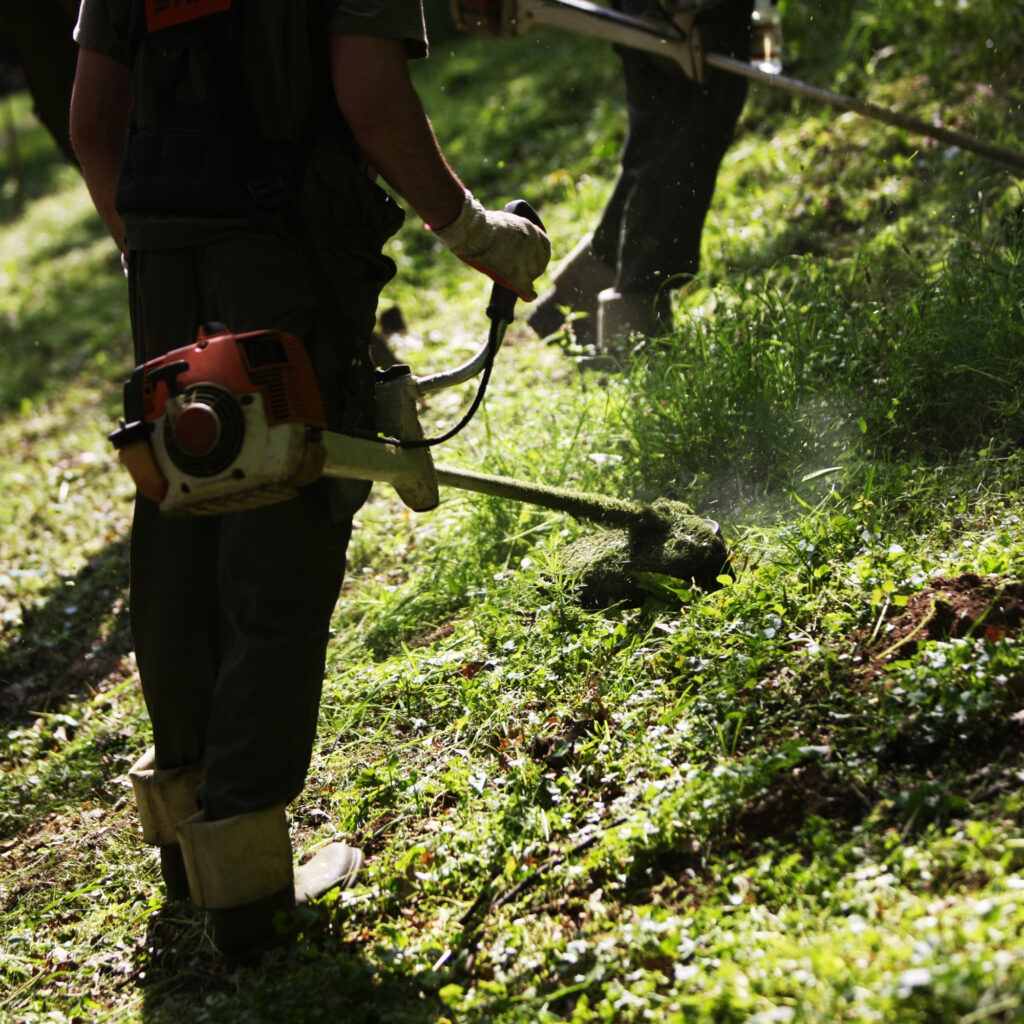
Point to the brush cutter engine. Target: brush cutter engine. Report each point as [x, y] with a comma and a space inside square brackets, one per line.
[225, 423]
[677, 37]
[235, 421]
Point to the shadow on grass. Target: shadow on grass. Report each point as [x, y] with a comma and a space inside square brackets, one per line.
[321, 978]
[30, 163]
[71, 644]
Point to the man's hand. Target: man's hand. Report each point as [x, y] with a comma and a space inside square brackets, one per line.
[507, 248]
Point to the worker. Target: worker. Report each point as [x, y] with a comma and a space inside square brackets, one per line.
[647, 240]
[232, 150]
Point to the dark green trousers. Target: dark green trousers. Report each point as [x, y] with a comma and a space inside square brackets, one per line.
[230, 613]
[650, 229]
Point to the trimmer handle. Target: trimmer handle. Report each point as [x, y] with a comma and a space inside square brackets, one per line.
[503, 300]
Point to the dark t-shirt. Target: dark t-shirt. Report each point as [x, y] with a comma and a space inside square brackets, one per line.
[278, 69]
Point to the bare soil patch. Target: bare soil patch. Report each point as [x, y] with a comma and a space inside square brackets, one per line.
[949, 607]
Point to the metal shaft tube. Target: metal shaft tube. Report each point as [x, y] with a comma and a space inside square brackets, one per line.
[594, 507]
[911, 124]
[667, 40]
[655, 37]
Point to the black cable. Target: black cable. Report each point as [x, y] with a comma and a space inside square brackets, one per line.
[500, 310]
[493, 343]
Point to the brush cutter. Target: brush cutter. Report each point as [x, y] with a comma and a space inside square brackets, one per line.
[235, 421]
[680, 37]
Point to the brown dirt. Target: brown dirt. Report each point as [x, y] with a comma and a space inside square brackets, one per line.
[49, 679]
[948, 607]
[967, 605]
[809, 790]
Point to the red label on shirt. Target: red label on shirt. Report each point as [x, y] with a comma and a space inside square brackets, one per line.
[167, 13]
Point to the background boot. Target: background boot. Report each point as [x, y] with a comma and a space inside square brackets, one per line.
[240, 869]
[620, 316]
[164, 797]
[576, 284]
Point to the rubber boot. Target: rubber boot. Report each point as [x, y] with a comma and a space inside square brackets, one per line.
[620, 316]
[240, 870]
[576, 284]
[164, 797]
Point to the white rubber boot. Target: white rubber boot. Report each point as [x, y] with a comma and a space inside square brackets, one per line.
[620, 316]
[164, 797]
[576, 284]
[240, 869]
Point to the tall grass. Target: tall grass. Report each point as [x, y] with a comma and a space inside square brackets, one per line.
[785, 377]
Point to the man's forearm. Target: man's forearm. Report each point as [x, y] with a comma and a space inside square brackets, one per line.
[380, 103]
[101, 106]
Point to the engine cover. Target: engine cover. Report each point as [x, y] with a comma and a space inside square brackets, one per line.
[224, 424]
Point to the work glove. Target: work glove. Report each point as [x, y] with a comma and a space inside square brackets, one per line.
[507, 248]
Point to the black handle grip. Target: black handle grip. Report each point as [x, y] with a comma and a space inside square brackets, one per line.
[503, 300]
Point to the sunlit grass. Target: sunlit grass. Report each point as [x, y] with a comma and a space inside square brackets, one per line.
[712, 807]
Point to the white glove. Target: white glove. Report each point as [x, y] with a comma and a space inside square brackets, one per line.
[507, 248]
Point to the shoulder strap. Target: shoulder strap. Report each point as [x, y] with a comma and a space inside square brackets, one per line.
[162, 14]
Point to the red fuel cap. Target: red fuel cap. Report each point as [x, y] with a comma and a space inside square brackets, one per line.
[197, 429]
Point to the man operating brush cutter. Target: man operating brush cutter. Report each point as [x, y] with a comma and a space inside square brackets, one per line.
[647, 239]
[231, 148]
[686, 64]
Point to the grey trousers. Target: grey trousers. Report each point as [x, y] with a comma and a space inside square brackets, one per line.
[230, 614]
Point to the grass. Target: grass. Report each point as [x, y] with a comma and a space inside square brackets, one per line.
[796, 798]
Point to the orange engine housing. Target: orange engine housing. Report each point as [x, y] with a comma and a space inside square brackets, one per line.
[273, 365]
